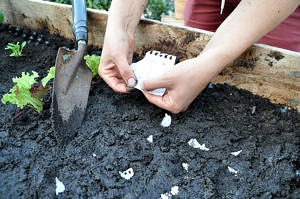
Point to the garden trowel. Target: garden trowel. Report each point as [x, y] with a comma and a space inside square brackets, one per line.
[72, 79]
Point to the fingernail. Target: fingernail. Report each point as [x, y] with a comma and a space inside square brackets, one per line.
[131, 82]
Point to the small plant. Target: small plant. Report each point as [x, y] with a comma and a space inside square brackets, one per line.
[26, 93]
[92, 61]
[16, 49]
[1, 17]
[156, 8]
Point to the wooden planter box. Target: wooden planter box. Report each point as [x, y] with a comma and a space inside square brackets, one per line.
[264, 70]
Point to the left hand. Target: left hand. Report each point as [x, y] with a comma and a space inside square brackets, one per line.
[183, 83]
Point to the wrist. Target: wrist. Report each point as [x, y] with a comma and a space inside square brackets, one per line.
[125, 15]
[214, 60]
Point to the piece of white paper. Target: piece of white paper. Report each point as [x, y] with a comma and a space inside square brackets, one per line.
[231, 170]
[60, 187]
[127, 174]
[150, 138]
[152, 65]
[195, 144]
[174, 191]
[166, 122]
[94, 155]
[185, 166]
[236, 153]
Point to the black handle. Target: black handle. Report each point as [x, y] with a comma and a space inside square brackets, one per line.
[80, 28]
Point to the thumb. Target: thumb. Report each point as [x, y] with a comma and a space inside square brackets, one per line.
[125, 71]
[155, 83]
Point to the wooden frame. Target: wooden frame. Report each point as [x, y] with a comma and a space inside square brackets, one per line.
[264, 70]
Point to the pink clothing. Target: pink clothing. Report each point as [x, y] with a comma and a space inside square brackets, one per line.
[205, 14]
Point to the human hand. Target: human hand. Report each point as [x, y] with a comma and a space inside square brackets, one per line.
[183, 83]
[115, 59]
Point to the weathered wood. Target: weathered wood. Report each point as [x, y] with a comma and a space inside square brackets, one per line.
[269, 72]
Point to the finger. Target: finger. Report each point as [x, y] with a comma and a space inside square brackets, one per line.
[125, 71]
[157, 100]
[114, 81]
[155, 83]
[116, 84]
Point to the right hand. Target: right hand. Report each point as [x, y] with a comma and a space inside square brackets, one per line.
[115, 59]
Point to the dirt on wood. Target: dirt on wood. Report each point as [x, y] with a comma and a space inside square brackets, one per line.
[114, 136]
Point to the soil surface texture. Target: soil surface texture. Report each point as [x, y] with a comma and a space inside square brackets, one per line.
[113, 138]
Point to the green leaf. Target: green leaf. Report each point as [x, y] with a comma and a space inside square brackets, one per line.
[1, 17]
[23, 45]
[93, 62]
[20, 94]
[51, 74]
[16, 49]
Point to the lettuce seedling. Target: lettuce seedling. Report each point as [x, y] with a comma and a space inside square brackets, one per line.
[16, 49]
[1, 17]
[26, 94]
[92, 61]
[51, 74]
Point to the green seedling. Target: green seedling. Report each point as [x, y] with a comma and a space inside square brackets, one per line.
[92, 61]
[16, 49]
[1, 17]
[26, 93]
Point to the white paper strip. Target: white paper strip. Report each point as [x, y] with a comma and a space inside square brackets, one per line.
[150, 138]
[185, 166]
[127, 174]
[195, 144]
[231, 170]
[236, 153]
[152, 65]
[166, 122]
[174, 191]
[60, 187]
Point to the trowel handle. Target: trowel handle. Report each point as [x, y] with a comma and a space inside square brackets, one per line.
[80, 28]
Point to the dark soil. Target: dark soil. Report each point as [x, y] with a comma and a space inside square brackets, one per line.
[116, 128]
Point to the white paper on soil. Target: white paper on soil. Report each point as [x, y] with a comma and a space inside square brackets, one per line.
[60, 187]
[231, 170]
[150, 139]
[166, 122]
[174, 191]
[152, 65]
[127, 174]
[195, 144]
[185, 166]
[236, 153]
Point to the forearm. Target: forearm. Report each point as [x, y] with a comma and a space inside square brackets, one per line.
[250, 21]
[125, 14]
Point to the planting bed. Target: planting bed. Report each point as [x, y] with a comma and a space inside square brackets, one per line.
[114, 136]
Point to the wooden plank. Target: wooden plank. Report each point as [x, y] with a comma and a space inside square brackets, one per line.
[172, 20]
[267, 71]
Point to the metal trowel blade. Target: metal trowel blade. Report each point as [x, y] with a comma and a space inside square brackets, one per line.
[70, 94]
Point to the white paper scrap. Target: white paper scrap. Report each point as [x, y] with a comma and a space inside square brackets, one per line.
[231, 170]
[60, 187]
[127, 174]
[166, 196]
[174, 191]
[195, 144]
[150, 139]
[236, 153]
[152, 65]
[166, 122]
[94, 155]
[185, 166]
